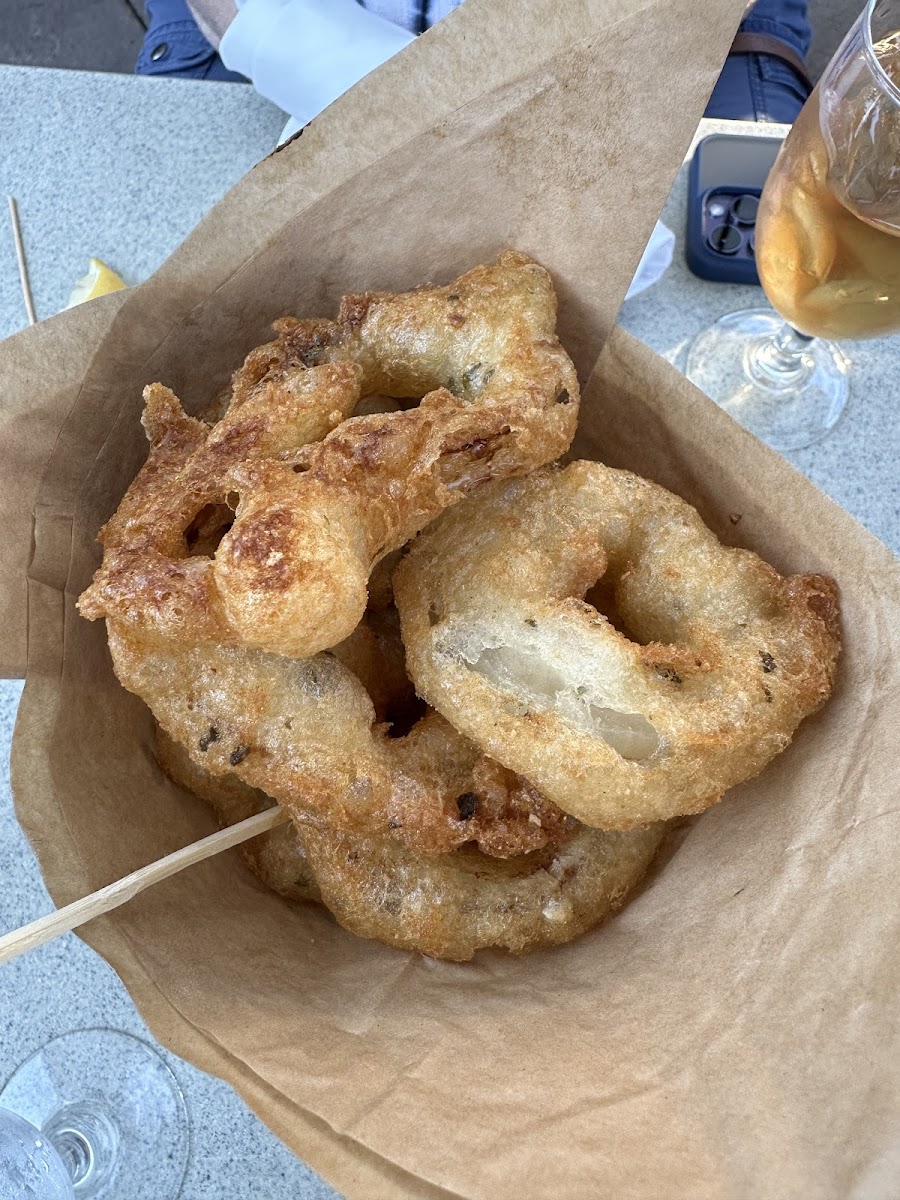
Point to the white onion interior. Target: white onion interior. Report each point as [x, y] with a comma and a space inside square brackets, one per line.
[545, 687]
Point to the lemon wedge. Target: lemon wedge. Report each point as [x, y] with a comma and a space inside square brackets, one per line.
[99, 281]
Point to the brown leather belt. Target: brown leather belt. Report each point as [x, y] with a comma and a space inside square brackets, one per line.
[765, 43]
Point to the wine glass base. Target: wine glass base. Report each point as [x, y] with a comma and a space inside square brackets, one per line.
[113, 1100]
[787, 413]
[29, 1166]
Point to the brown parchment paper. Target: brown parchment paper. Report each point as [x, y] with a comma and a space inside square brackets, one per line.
[41, 372]
[732, 1033]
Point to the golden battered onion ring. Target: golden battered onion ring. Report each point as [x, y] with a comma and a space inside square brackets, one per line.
[446, 907]
[723, 657]
[305, 732]
[276, 857]
[159, 546]
[290, 575]
[452, 906]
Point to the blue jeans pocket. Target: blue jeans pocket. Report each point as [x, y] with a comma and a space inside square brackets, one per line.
[778, 91]
[177, 48]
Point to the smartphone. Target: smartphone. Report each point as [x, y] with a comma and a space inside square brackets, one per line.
[725, 183]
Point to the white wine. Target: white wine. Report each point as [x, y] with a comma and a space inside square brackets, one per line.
[828, 231]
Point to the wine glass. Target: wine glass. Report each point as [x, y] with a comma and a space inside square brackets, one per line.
[30, 1168]
[827, 249]
[93, 1115]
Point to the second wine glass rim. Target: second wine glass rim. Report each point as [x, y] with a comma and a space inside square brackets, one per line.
[881, 75]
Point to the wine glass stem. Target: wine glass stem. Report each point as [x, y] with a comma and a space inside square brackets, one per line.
[86, 1139]
[781, 361]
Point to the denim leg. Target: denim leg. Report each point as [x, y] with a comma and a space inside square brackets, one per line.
[761, 87]
[174, 45]
[785, 19]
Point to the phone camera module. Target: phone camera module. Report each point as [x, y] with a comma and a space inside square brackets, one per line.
[724, 239]
[744, 209]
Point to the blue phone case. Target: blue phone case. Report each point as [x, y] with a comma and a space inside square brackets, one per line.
[721, 224]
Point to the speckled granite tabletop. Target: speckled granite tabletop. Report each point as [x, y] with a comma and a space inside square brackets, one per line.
[121, 168]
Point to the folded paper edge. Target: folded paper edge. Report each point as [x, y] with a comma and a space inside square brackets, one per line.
[78, 331]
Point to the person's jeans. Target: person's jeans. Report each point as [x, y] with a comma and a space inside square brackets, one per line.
[762, 87]
[174, 45]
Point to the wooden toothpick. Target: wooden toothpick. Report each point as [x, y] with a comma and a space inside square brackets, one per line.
[81, 911]
[20, 258]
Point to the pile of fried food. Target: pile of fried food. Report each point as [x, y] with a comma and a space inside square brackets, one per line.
[481, 685]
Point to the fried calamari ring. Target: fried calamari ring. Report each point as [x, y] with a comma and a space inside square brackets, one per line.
[722, 659]
[447, 907]
[276, 857]
[289, 576]
[305, 732]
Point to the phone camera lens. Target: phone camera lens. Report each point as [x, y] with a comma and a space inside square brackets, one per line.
[744, 209]
[724, 239]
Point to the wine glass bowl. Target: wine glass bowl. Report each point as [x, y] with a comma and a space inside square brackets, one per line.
[828, 250]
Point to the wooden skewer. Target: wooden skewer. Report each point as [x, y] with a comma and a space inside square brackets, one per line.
[20, 258]
[79, 912]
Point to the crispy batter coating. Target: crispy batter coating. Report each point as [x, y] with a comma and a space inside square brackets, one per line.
[276, 857]
[305, 732]
[158, 568]
[722, 657]
[374, 653]
[447, 907]
[451, 906]
[500, 397]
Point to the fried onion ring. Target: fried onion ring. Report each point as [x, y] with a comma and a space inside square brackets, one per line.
[160, 545]
[276, 857]
[721, 659]
[447, 907]
[306, 733]
[451, 906]
[310, 522]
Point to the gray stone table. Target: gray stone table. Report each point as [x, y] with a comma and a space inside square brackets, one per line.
[121, 168]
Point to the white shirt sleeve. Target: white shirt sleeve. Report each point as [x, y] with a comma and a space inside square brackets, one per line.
[303, 54]
[655, 261]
